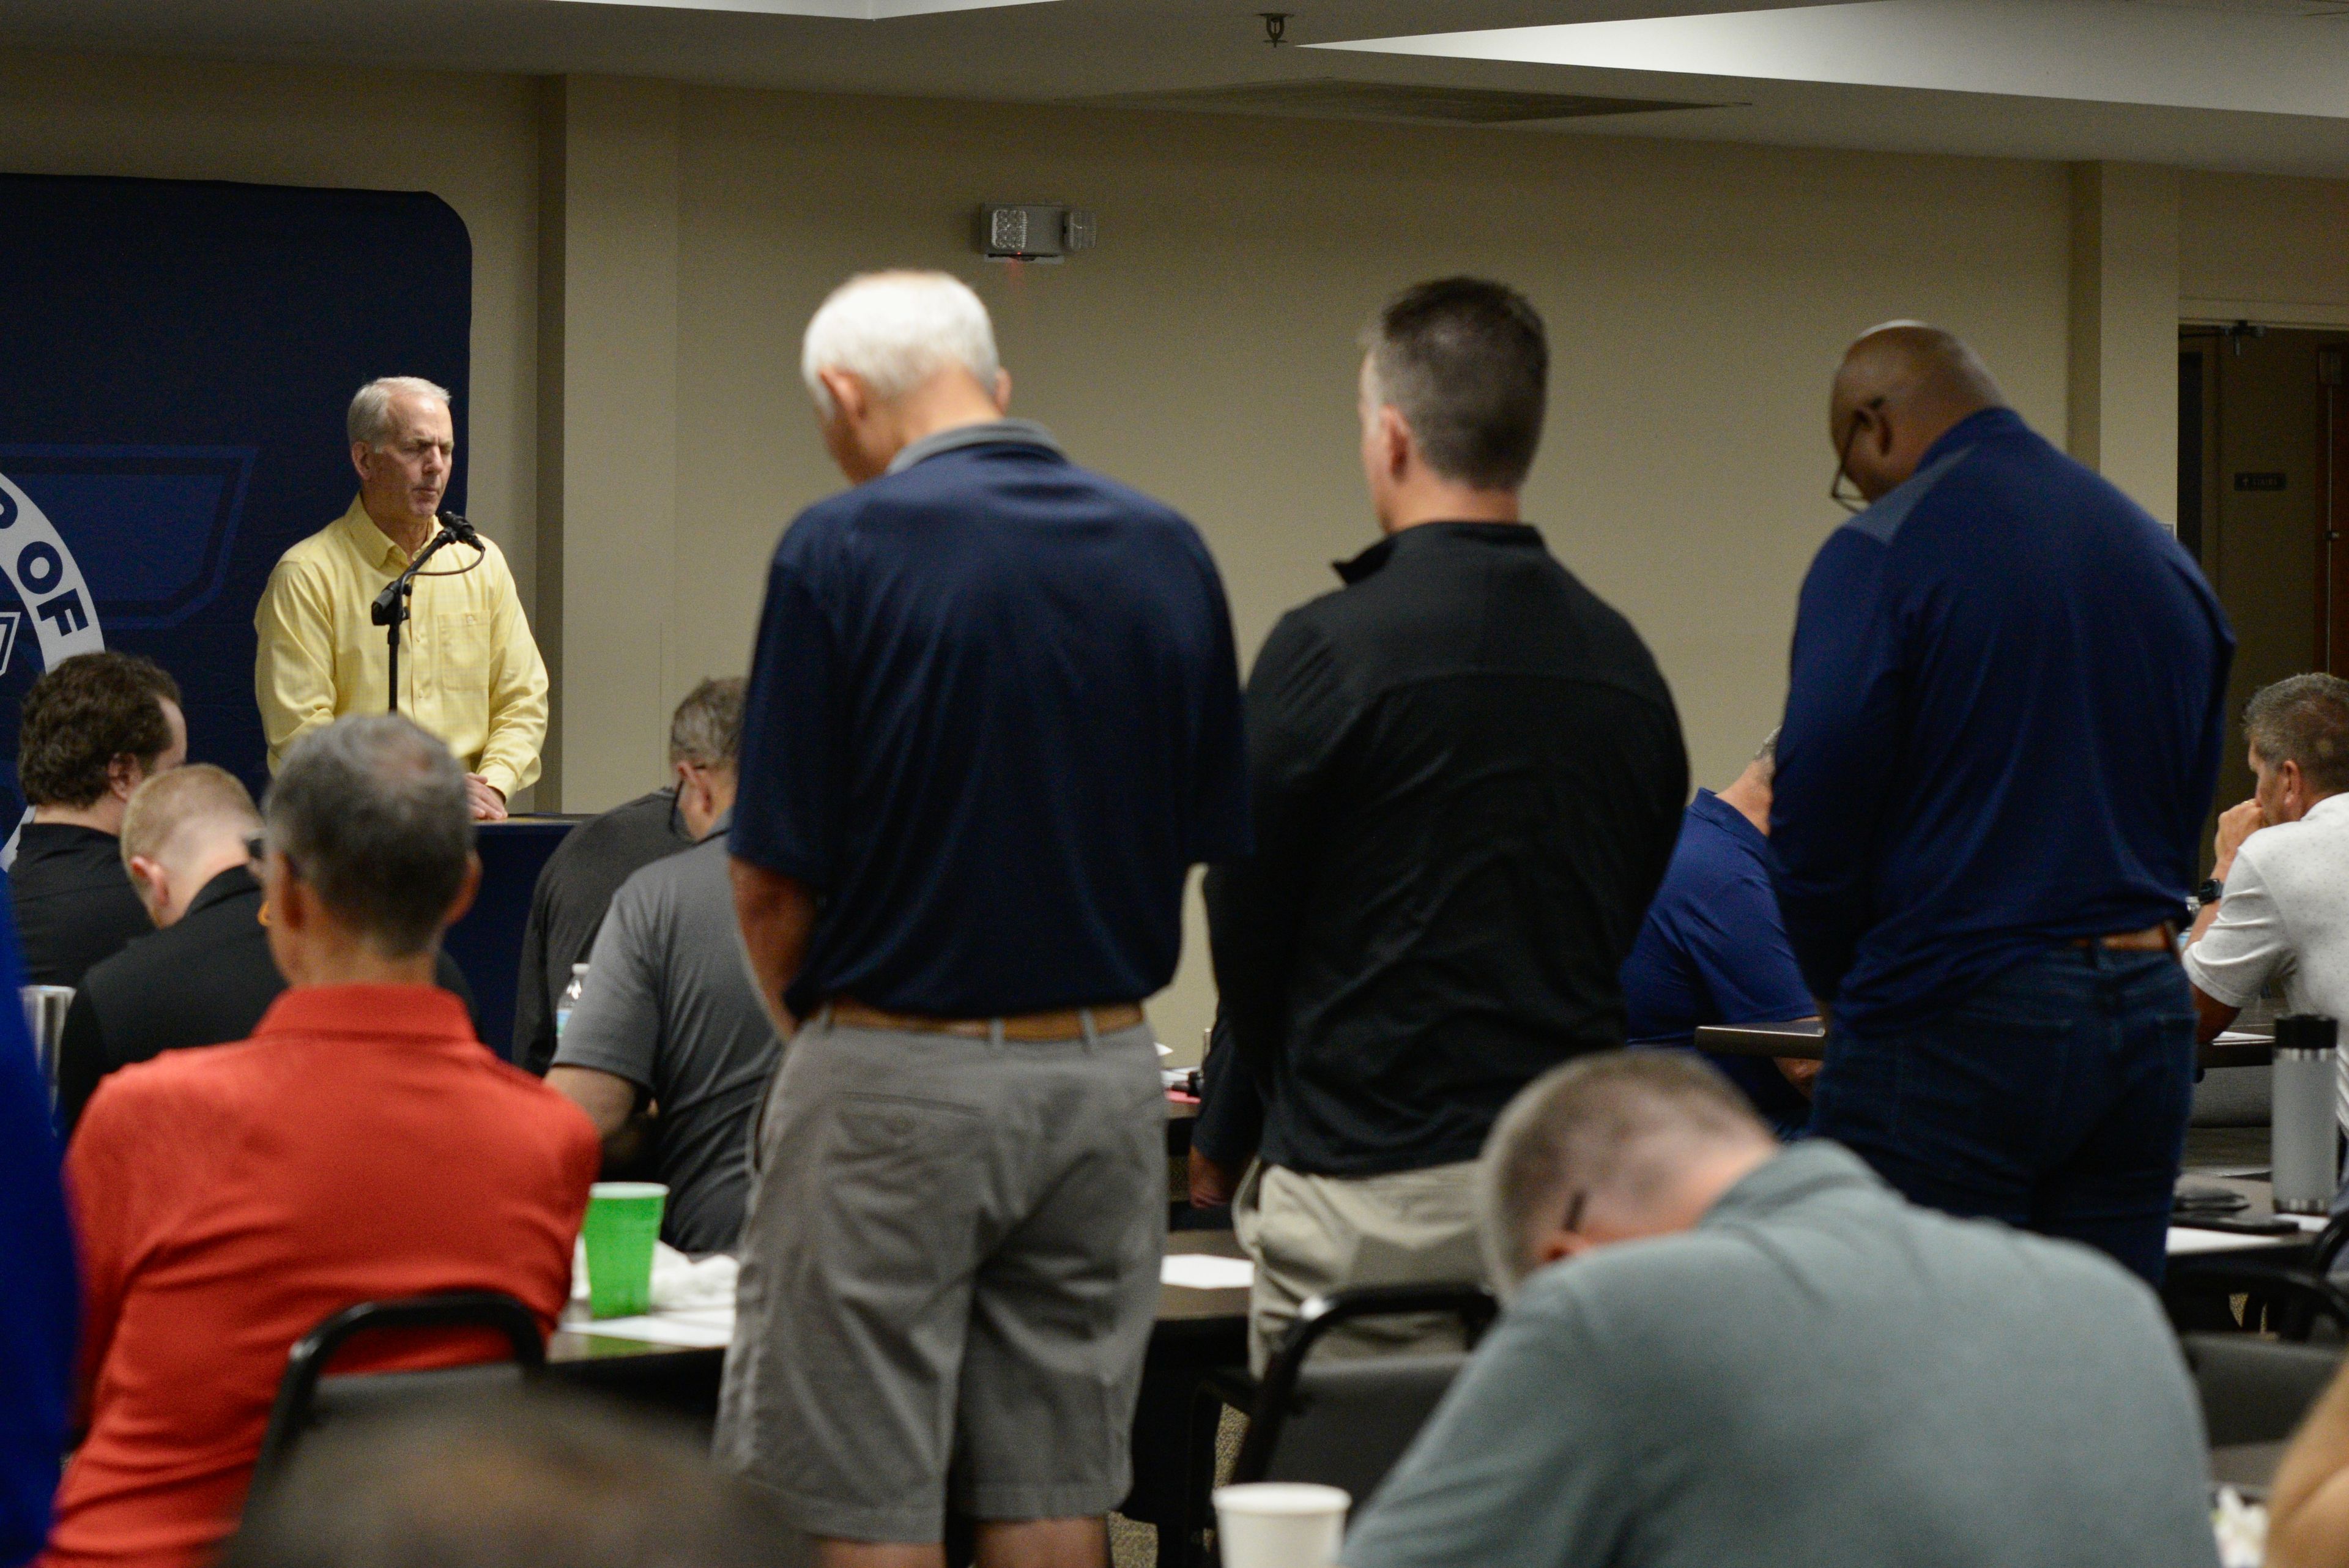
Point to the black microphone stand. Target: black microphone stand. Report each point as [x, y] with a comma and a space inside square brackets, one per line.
[391, 606]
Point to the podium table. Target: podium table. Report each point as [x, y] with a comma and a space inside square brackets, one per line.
[487, 943]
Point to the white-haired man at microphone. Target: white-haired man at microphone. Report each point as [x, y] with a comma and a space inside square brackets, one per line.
[469, 670]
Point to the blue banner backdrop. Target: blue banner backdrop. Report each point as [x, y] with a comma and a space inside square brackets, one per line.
[175, 361]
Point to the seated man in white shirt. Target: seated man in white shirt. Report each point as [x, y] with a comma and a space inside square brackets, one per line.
[2281, 912]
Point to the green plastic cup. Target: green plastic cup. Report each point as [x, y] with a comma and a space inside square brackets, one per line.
[624, 1220]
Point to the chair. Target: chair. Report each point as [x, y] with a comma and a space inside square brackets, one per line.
[2256, 1390]
[1345, 1422]
[2292, 1302]
[308, 1398]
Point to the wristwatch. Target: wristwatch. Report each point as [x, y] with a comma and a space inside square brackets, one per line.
[2211, 892]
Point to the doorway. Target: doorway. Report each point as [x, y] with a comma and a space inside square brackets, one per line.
[2264, 502]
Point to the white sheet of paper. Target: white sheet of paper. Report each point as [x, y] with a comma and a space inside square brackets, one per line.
[708, 1328]
[2183, 1240]
[1199, 1271]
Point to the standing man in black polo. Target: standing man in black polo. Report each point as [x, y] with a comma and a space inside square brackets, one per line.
[2001, 736]
[993, 718]
[1468, 778]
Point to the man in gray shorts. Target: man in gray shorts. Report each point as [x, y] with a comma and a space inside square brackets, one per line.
[993, 719]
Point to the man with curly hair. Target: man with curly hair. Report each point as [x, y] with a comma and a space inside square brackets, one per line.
[94, 729]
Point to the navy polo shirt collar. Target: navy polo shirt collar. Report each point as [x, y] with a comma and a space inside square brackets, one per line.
[1432, 536]
[1980, 425]
[987, 432]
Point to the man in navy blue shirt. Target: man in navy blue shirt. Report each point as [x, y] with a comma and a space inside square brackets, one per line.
[40, 1308]
[2001, 740]
[1714, 950]
[993, 719]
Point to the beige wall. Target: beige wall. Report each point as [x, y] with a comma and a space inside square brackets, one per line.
[2123, 410]
[1697, 296]
[2263, 248]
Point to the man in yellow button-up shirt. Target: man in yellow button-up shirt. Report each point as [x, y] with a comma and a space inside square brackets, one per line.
[469, 670]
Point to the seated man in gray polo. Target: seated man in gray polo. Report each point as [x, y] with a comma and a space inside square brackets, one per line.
[1783, 1362]
[2280, 911]
[667, 1017]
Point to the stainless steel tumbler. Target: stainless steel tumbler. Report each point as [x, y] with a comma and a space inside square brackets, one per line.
[2305, 1154]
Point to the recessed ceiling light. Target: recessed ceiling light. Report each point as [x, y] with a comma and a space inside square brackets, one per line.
[2262, 58]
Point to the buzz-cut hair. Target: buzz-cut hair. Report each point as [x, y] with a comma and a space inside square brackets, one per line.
[893, 330]
[168, 808]
[2303, 718]
[1615, 1128]
[370, 420]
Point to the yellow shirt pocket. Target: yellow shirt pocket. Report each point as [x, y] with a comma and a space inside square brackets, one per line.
[464, 639]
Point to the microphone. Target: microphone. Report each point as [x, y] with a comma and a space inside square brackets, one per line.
[464, 533]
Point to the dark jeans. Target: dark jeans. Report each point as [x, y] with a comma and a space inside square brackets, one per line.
[2053, 1097]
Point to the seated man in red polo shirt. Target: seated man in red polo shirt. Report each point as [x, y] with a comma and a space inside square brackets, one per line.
[361, 1146]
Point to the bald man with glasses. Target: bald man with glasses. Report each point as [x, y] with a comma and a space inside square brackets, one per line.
[2001, 737]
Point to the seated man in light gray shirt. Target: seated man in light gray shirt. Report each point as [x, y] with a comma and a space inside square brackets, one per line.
[668, 1018]
[2281, 910]
[1717, 1351]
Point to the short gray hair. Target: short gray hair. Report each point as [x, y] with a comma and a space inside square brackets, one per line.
[1619, 1127]
[707, 725]
[895, 330]
[2303, 718]
[370, 420]
[1767, 753]
[370, 812]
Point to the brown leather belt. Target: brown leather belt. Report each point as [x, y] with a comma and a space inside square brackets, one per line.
[2160, 939]
[1067, 1024]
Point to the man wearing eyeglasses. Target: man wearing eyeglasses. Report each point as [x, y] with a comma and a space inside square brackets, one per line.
[667, 1017]
[2001, 736]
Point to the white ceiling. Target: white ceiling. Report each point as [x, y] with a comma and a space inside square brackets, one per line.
[2271, 56]
[2235, 84]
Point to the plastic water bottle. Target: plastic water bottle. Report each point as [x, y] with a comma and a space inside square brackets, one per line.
[570, 997]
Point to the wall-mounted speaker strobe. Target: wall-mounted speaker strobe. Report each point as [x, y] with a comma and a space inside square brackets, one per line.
[1032, 230]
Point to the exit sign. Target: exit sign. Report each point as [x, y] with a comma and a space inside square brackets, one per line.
[2258, 482]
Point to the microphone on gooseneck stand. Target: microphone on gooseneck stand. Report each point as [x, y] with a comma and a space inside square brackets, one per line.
[464, 533]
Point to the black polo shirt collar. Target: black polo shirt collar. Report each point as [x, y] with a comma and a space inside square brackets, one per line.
[1433, 536]
[234, 882]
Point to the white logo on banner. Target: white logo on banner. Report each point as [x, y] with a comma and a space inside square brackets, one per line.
[41, 568]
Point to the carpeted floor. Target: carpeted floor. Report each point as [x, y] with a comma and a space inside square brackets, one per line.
[1132, 1544]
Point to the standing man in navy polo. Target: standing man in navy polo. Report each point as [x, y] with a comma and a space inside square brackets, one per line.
[1712, 948]
[993, 719]
[2001, 738]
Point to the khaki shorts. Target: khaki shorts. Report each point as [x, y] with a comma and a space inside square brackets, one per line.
[1309, 1235]
[950, 1274]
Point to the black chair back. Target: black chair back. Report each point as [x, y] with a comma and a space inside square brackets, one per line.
[1345, 1422]
[2256, 1390]
[308, 1398]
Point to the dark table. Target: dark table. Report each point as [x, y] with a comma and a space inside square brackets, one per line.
[1198, 1333]
[1807, 1042]
[487, 943]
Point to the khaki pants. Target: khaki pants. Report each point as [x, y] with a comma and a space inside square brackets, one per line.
[1309, 1235]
